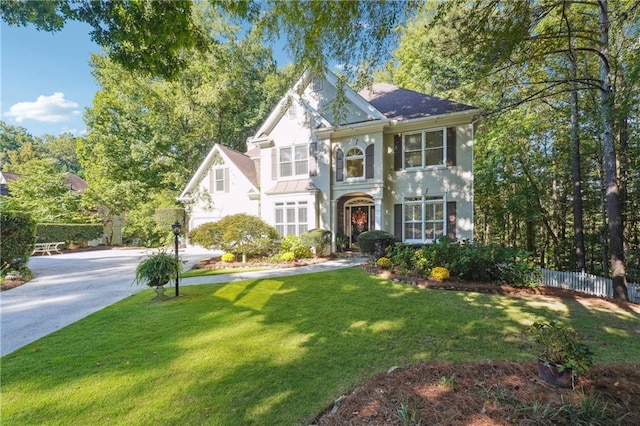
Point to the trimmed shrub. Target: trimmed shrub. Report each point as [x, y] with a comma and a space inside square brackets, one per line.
[239, 233]
[228, 257]
[384, 263]
[375, 243]
[439, 273]
[17, 239]
[293, 244]
[319, 240]
[288, 256]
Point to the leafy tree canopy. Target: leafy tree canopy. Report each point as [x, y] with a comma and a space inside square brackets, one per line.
[152, 36]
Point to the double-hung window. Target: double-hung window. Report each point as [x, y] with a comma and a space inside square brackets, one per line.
[291, 218]
[423, 219]
[219, 179]
[294, 160]
[425, 148]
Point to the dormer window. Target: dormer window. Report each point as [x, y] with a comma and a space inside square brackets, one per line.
[354, 161]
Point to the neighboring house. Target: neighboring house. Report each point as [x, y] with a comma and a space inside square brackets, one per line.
[75, 182]
[386, 158]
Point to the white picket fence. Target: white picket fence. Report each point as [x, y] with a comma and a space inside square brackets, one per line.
[586, 283]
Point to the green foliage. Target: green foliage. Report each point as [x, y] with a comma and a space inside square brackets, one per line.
[467, 261]
[167, 216]
[319, 240]
[157, 269]
[293, 244]
[206, 235]
[342, 242]
[43, 191]
[71, 233]
[228, 257]
[239, 233]
[375, 242]
[562, 346]
[384, 263]
[288, 256]
[17, 238]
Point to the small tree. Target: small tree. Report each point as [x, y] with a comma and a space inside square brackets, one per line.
[18, 234]
[239, 233]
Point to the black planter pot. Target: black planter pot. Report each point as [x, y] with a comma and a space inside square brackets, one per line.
[550, 374]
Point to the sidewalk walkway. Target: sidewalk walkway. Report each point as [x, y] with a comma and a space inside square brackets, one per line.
[330, 265]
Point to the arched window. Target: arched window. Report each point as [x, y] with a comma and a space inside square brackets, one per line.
[354, 163]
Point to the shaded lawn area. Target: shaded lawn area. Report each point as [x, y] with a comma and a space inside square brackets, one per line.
[221, 271]
[273, 351]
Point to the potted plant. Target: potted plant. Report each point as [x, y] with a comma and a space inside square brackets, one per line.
[157, 270]
[562, 355]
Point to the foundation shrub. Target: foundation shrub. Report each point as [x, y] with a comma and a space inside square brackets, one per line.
[319, 240]
[293, 244]
[375, 243]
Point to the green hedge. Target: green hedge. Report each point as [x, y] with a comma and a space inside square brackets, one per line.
[68, 232]
[375, 242]
[17, 232]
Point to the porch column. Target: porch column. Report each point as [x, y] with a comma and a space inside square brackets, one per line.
[334, 224]
[378, 210]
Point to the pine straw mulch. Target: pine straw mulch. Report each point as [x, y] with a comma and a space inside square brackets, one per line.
[491, 393]
[496, 393]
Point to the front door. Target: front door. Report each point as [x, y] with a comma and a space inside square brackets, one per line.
[359, 217]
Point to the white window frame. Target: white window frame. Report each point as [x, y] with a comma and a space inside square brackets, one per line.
[424, 149]
[299, 166]
[291, 217]
[422, 205]
[218, 180]
[357, 157]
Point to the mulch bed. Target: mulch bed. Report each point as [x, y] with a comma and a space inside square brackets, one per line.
[496, 393]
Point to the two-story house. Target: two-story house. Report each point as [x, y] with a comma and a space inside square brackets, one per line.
[327, 157]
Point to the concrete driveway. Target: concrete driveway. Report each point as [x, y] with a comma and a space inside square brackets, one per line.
[68, 287]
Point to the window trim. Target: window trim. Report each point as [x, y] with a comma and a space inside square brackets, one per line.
[347, 158]
[216, 181]
[424, 149]
[300, 226]
[293, 163]
[423, 202]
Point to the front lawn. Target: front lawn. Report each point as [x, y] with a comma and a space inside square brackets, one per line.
[273, 351]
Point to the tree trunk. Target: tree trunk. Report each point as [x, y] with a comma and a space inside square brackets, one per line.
[578, 225]
[616, 238]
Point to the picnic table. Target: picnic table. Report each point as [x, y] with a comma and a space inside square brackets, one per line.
[47, 248]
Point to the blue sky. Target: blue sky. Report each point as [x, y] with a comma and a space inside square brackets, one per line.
[45, 78]
[45, 81]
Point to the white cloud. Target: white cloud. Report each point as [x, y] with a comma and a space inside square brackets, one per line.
[48, 109]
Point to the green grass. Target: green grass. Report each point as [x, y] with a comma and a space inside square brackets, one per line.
[221, 271]
[271, 351]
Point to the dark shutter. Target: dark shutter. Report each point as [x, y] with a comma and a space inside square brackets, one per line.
[451, 220]
[339, 165]
[274, 164]
[397, 222]
[368, 162]
[451, 146]
[313, 159]
[226, 179]
[397, 152]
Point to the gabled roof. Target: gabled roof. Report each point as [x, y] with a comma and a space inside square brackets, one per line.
[402, 104]
[241, 161]
[293, 95]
